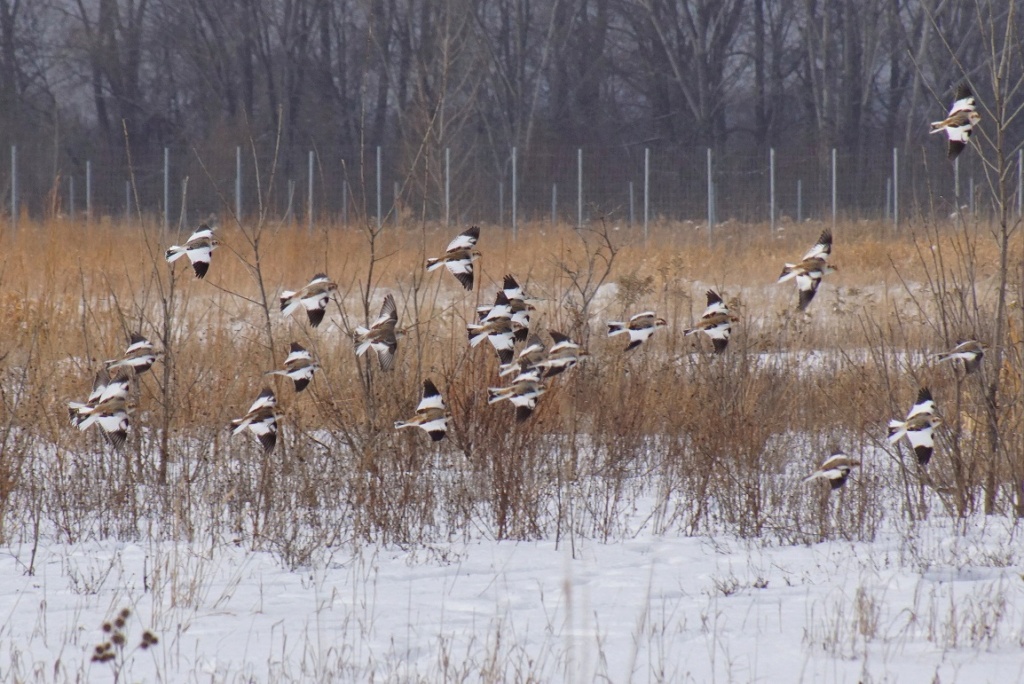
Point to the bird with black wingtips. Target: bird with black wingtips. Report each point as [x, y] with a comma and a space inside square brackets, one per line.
[431, 415]
[382, 335]
[299, 366]
[261, 420]
[199, 249]
[313, 297]
[640, 327]
[107, 384]
[139, 355]
[524, 392]
[919, 426]
[563, 355]
[716, 322]
[835, 469]
[960, 122]
[499, 332]
[809, 272]
[520, 306]
[107, 406]
[459, 257]
[971, 352]
[531, 356]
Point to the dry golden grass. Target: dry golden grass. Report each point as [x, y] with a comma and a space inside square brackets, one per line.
[723, 438]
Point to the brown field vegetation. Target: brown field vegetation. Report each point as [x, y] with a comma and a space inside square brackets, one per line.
[711, 442]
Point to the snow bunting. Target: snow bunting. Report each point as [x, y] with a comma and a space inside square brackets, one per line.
[640, 327]
[716, 322]
[459, 257]
[809, 271]
[199, 248]
[298, 365]
[524, 392]
[261, 420]
[530, 357]
[381, 336]
[106, 385]
[500, 334]
[139, 356]
[107, 406]
[971, 352]
[918, 426]
[960, 122]
[112, 417]
[431, 416]
[502, 308]
[516, 310]
[513, 290]
[313, 297]
[836, 469]
[563, 355]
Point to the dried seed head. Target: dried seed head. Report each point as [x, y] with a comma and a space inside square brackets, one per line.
[125, 612]
[119, 623]
[118, 639]
[107, 627]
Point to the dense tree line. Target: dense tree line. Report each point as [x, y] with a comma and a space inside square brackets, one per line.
[117, 81]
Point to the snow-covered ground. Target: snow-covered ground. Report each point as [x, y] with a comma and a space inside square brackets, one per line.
[923, 603]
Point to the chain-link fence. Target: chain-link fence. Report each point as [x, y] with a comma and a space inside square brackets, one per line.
[634, 185]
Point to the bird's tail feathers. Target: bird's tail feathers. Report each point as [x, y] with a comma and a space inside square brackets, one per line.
[897, 429]
[289, 302]
[476, 334]
[787, 273]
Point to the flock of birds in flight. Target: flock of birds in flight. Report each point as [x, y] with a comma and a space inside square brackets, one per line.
[504, 325]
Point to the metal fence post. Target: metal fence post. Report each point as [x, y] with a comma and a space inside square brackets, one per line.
[956, 181]
[88, 190]
[1020, 181]
[631, 221]
[647, 187]
[515, 195]
[711, 198]
[895, 189]
[771, 188]
[379, 218]
[127, 200]
[71, 196]
[579, 187]
[309, 195]
[799, 200]
[167, 189]
[14, 187]
[238, 183]
[833, 188]
[447, 186]
[554, 204]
